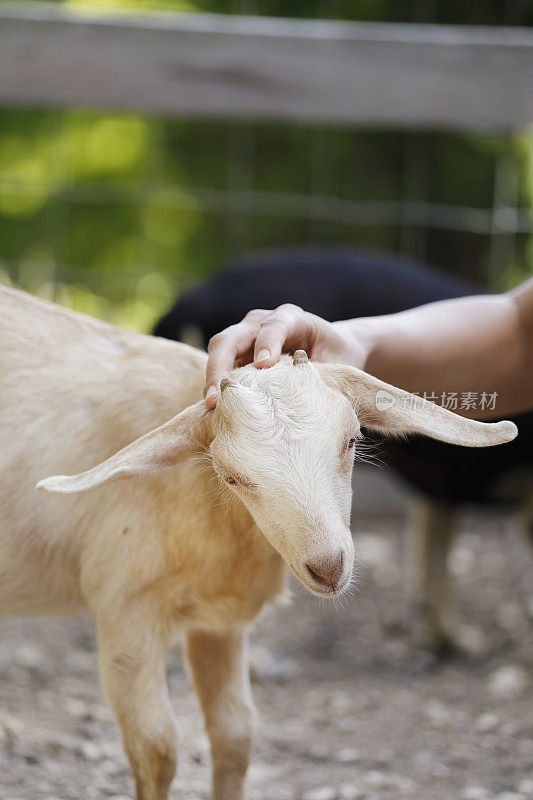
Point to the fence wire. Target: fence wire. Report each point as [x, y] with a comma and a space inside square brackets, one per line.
[322, 212]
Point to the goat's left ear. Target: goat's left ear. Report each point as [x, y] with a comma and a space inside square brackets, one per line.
[163, 447]
[390, 410]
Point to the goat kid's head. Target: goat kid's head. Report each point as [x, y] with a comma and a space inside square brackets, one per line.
[283, 440]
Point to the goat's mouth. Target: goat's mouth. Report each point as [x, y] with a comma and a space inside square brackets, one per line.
[321, 589]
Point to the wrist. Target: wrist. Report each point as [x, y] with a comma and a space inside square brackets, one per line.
[362, 337]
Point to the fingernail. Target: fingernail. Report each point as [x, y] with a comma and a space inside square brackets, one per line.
[211, 391]
[262, 356]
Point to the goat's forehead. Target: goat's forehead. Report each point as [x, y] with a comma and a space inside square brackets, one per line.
[284, 397]
[283, 386]
[282, 380]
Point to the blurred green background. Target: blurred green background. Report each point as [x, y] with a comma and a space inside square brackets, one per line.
[114, 214]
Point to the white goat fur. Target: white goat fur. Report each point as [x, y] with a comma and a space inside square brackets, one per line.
[159, 554]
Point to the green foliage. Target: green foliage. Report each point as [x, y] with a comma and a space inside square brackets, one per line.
[113, 214]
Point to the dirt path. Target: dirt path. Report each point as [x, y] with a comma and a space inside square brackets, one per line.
[351, 706]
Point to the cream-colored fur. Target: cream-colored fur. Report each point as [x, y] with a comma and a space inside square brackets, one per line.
[144, 537]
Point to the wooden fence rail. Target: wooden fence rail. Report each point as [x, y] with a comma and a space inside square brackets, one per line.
[262, 68]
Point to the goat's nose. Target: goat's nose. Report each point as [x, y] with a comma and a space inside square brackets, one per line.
[328, 572]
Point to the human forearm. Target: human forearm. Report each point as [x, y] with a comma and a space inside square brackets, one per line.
[469, 345]
[477, 345]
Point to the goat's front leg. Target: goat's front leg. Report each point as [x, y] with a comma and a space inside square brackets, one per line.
[133, 656]
[220, 670]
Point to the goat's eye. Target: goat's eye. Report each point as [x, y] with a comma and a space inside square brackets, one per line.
[351, 444]
[230, 480]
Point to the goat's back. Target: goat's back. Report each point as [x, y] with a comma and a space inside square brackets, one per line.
[74, 391]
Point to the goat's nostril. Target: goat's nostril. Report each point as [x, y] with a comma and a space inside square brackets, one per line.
[328, 572]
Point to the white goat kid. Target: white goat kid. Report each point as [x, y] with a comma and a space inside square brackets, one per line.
[156, 555]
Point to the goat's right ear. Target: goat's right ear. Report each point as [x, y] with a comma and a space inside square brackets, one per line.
[163, 447]
[385, 408]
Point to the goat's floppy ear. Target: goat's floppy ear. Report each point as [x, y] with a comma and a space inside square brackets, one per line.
[163, 447]
[390, 410]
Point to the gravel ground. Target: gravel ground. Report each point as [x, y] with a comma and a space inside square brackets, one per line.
[351, 705]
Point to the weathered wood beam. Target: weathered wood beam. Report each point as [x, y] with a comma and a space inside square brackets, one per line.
[262, 68]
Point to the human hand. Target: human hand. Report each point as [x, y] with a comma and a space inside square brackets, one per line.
[262, 336]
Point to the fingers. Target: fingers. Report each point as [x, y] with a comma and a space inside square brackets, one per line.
[273, 332]
[222, 351]
[262, 334]
[231, 345]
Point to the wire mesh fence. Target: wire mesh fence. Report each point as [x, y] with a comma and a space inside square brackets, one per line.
[119, 211]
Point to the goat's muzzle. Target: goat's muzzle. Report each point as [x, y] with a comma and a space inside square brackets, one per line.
[327, 573]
